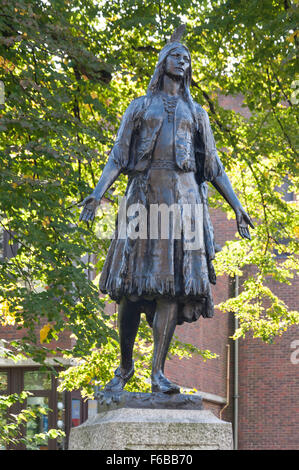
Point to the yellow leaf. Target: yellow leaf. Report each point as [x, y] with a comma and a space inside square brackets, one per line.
[7, 316]
[46, 222]
[292, 36]
[6, 64]
[43, 334]
[5, 307]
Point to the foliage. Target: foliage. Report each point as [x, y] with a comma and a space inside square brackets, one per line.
[253, 53]
[11, 424]
[70, 69]
[45, 147]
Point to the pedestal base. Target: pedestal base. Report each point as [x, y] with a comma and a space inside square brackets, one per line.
[153, 428]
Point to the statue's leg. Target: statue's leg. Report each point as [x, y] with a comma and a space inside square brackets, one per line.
[128, 324]
[165, 321]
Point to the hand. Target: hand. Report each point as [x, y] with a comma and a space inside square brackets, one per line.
[90, 204]
[243, 220]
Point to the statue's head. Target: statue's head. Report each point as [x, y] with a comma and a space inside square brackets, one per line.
[178, 62]
[173, 56]
[168, 61]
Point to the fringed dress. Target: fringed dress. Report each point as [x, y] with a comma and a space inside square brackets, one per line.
[167, 153]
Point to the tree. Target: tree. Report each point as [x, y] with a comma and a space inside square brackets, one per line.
[69, 70]
[47, 145]
[252, 50]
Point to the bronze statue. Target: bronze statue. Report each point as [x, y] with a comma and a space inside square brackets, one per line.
[166, 147]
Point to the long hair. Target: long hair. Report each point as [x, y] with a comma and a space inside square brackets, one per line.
[156, 82]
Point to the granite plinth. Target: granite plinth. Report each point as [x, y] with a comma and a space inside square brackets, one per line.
[151, 427]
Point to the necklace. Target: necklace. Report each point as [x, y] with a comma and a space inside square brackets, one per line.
[170, 103]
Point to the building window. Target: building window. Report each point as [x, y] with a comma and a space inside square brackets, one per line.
[3, 381]
[64, 409]
[43, 388]
[40, 424]
[37, 380]
[76, 408]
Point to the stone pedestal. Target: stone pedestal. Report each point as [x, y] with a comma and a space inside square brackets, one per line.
[151, 422]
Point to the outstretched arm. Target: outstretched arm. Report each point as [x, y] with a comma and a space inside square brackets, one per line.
[213, 171]
[110, 173]
[117, 161]
[224, 187]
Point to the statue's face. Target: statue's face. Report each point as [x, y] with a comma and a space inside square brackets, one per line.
[177, 62]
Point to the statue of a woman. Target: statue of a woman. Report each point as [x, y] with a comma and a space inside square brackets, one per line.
[166, 147]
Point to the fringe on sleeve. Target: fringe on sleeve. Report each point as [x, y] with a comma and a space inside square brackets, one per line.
[120, 152]
[210, 163]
